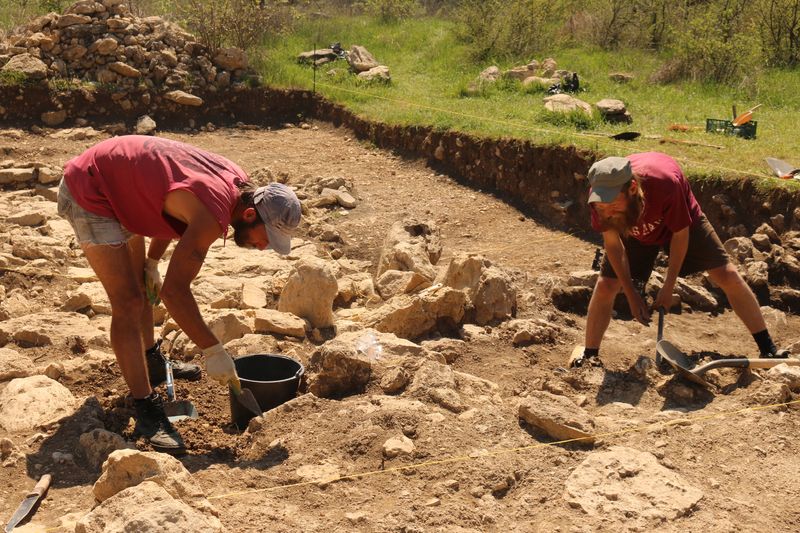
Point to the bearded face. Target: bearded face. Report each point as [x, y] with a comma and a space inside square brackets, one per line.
[623, 213]
[241, 231]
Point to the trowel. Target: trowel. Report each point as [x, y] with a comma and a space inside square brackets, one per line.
[245, 398]
[180, 409]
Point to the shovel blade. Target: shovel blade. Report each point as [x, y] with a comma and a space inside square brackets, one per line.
[679, 361]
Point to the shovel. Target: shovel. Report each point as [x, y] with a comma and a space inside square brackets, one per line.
[782, 169]
[745, 117]
[176, 410]
[666, 351]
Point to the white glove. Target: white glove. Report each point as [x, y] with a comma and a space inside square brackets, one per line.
[152, 281]
[220, 367]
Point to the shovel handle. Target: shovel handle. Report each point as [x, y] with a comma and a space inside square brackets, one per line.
[660, 323]
[41, 486]
[170, 381]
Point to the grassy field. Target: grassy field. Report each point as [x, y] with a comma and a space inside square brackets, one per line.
[430, 68]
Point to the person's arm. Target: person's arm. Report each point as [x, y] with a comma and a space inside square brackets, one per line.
[677, 253]
[157, 248]
[615, 251]
[187, 259]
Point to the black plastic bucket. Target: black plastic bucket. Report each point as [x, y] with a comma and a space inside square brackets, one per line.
[273, 380]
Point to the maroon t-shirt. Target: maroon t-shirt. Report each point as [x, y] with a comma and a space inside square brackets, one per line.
[126, 178]
[669, 205]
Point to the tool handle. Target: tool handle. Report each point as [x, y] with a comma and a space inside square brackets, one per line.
[170, 381]
[41, 486]
[660, 323]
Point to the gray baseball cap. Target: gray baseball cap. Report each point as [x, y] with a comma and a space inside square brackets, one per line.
[607, 177]
[279, 208]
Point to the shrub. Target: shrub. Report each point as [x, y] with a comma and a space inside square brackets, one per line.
[392, 10]
[241, 23]
[780, 31]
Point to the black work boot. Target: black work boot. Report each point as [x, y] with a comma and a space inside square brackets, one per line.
[157, 372]
[776, 354]
[152, 424]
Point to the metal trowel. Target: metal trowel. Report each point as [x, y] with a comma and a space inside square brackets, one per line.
[176, 410]
[245, 398]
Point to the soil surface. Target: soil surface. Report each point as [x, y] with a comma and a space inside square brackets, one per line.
[479, 470]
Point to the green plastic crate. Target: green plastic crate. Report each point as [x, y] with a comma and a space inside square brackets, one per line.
[745, 131]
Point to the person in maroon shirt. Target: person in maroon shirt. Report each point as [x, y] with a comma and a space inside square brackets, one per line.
[641, 204]
[127, 188]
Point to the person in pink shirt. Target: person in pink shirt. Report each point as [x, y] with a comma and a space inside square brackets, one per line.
[127, 188]
[641, 204]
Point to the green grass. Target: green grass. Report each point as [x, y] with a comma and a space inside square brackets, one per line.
[431, 70]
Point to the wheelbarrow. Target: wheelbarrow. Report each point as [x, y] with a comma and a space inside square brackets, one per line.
[176, 409]
[668, 353]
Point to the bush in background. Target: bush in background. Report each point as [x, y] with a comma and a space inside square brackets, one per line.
[393, 10]
[780, 31]
[240, 23]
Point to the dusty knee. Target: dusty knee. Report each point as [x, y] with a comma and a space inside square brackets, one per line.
[726, 277]
[129, 304]
[607, 287]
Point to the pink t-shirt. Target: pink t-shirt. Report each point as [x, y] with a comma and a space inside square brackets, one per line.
[669, 204]
[127, 178]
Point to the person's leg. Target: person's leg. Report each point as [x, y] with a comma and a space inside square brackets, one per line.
[601, 306]
[112, 264]
[136, 250]
[741, 298]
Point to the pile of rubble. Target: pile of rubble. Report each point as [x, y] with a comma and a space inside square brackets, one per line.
[104, 43]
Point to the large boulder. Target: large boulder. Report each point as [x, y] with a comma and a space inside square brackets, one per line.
[14, 364]
[32, 67]
[360, 59]
[128, 468]
[411, 317]
[310, 291]
[146, 507]
[413, 246]
[627, 486]
[231, 58]
[557, 416]
[27, 403]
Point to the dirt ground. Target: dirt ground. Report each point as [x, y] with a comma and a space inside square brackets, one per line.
[745, 463]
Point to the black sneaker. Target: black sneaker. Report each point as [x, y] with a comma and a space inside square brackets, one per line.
[157, 372]
[152, 423]
[587, 361]
[777, 354]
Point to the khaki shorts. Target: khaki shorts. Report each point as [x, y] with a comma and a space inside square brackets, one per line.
[90, 229]
[705, 252]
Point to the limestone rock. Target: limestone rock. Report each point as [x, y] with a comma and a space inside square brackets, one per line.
[14, 364]
[277, 322]
[360, 59]
[128, 468]
[29, 402]
[557, 416]
[379, 73]
[310, 291]
[624, 485]
[413, 246]
[412, 316]
[740, 248]
[397, 446]
[45, 329]
[231, 59]
[184, 98]
[34, 68]
[145, 125]
[783, 373]
[564, 103]
[97, 444]
[54, 118]
[146, 507]
[394, 282]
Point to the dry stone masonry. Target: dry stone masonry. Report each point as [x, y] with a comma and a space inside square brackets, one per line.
[102, 44]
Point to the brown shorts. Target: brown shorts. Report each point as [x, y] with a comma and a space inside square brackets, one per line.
[705, 252]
